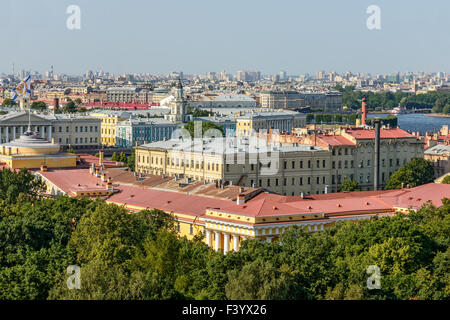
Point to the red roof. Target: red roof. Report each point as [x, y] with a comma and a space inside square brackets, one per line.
[337, 140]
[165, 200]
[360, 133]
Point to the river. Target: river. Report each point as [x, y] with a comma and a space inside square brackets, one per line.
[417, 122]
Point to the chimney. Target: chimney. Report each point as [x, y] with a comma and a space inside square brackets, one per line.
[240, 199]
[92, 169]
[376, 175]
[302, 195]
[364, 112]
[326, 189]
[403, 185]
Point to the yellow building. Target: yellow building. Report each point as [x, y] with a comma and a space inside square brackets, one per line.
[281, 120]
[108, 126]
[31, 151]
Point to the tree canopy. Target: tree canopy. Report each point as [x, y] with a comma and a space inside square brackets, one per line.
[125, 255]
[350, 185]
[206, 125]
[415, 173]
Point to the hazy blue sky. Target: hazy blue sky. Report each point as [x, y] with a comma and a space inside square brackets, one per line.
[197, 36]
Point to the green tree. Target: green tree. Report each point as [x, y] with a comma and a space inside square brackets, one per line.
[70, 107]
[206, 125]
[39, 105]
[8, 102]
[13, 184]
[446, 109]
[114, 157]
[415, 173]
[258, 280]
[131, 160]
[122, 157]
[350, 185]
[446, 180]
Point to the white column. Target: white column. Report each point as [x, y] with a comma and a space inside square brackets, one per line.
[216, 240]
[14, 132]
[21, 130]
[226, 243]
[42, 131]
[7, 134]
[50, 133]
[269, 239]
[315, 227]
[321, 227]
[235, 242]
[208, 237]
[1, 135]
[35, 128]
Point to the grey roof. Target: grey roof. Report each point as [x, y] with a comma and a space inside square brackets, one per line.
[226, 146]
[439, 149]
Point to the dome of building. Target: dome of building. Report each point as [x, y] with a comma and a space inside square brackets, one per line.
[30, 143]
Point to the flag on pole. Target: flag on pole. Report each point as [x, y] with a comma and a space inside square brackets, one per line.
[22, 90]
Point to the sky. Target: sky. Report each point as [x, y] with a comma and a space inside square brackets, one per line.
[199, 36]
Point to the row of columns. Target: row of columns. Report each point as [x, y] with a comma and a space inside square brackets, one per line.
[6, 137]
[237, 238]
[226, 240]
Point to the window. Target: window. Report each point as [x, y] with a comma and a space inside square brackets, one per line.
[390, 162]
[276, 182]
[76, 140]
[339, 164]
[178, 227]
[301, 181]
[191, 229]
[351, 164]
[268, 182]
[368, 163]
[76, 129]
[301, 164]
[59, 129]
[323, 163]
[95, 128]
[293, 182]
[333, 165]
[318, 180]
[293, 164]
[318, 163]
[309, 180]
[324, 180]
[284, 182]
[345, 164]
[252, 167]
[284, 164]
[81, 129]
[309, 163]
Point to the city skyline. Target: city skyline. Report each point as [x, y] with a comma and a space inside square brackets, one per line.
[198, 37]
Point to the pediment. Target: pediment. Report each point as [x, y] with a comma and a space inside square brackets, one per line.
[22, 119]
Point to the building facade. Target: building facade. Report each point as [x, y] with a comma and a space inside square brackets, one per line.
[439, 156]
[287, 170]
[132, 132]
[281, 99]
[77, 132]
[109, 120]
[282, 120]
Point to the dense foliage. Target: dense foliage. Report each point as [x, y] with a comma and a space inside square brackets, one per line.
[206, 126]
[378, 101]
[416, 172]
[350, 185]
[140, 256]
